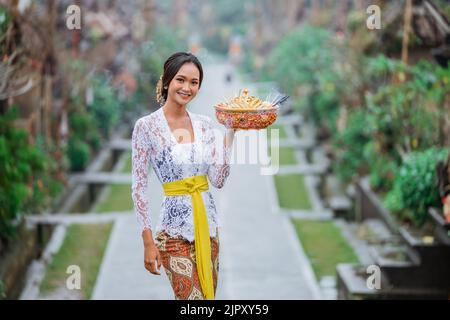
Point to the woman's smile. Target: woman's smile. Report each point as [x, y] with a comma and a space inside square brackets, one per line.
[184, 95]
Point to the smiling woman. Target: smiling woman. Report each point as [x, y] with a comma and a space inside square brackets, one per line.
[188, 74]
[181, 147]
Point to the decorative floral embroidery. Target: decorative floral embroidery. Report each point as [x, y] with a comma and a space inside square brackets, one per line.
[154, 144]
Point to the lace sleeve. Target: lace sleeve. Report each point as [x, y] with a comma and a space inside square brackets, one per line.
[219, 164]
[140, 165]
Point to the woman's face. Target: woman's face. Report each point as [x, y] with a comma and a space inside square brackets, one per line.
[185, 85]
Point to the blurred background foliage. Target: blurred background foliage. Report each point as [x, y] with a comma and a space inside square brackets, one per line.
[373, 110]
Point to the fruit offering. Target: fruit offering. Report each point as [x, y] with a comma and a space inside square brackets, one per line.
[247, 112]
[244, 102]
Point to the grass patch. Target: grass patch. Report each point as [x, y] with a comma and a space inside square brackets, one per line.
[324, 245]
[292, 192]
[84, 246]
[286, 154]
[127, 165]
[281, 131]
[118, 199]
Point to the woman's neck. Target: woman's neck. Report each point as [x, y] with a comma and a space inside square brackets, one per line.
[173, 110]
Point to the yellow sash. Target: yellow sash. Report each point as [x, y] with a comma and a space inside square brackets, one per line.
[193, 186]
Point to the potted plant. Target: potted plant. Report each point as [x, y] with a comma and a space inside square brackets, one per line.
[443, 175]
[415, 187]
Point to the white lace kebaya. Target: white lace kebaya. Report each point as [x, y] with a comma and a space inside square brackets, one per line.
[153, 143]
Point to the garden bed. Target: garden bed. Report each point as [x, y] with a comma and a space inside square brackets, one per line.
[441, 227]
[80, 197]
[417, 267]
[352, 285]
[368, 205]
[16, 256]
[335, 194]
[420, 265]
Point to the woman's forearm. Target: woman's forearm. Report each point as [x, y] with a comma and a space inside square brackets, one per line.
[147, 237]
[229, 137]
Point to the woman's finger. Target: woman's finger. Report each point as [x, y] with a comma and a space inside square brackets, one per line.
[158, 258]
[155, 268]
[151, 266]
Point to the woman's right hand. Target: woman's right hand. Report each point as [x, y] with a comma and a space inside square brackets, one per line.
[152, 259]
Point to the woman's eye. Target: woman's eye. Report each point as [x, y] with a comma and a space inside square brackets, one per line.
[180, 80]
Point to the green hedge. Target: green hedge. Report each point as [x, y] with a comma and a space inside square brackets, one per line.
[415, 186]
[27, 182]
